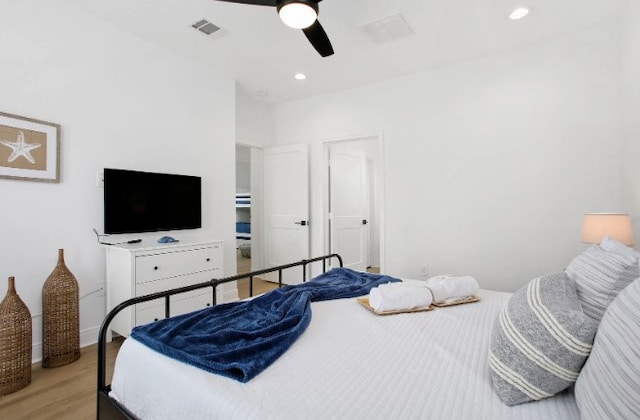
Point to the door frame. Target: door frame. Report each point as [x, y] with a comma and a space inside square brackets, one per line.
[257, 198]
[380, 183]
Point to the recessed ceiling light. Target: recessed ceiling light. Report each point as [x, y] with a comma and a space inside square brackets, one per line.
[519, 13]
[300, 76]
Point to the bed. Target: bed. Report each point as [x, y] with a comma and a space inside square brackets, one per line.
[349, 363]
[243, 230]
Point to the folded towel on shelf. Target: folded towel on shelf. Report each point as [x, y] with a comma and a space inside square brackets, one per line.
[398, 297]
[448, 289]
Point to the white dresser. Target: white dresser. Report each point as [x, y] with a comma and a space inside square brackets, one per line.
[139, 269]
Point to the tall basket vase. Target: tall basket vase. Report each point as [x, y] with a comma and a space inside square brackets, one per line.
[15, 342]
[60, 317]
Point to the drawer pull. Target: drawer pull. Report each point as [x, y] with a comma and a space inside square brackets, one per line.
[155, 319]
[208, 304]
[155, 268]
[208, 259]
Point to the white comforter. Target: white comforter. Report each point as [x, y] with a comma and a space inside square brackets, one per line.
[349, 364]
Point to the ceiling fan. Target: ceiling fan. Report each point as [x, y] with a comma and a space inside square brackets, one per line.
[299, 14]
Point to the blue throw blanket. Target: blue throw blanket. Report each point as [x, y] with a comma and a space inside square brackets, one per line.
[241, 339]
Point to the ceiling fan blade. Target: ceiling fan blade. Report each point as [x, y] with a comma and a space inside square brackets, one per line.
[319, 39]
[255, 2]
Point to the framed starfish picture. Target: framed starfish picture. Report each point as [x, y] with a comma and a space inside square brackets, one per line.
[29, 149]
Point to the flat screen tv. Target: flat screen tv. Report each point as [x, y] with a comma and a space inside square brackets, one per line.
[137, 201]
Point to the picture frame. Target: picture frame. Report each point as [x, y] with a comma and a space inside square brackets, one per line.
[29, 149]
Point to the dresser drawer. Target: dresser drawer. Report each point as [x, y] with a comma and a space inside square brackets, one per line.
[175, 282]
[149, 314]
[172, 264]
[180, 304]
[192, 302]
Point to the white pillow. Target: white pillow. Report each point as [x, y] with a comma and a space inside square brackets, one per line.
[609, 384]
[612, 245]
[601, 273]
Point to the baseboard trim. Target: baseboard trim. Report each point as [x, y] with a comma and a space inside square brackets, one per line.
[87, 338]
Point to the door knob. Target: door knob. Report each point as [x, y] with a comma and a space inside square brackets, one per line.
[301, 223]
[364, 222]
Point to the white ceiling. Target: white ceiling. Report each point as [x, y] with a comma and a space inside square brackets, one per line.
[263, 53]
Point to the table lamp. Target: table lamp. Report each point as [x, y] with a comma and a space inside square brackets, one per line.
[614, 225]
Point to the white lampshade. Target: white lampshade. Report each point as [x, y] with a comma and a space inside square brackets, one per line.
[614, 225]
[298, 14]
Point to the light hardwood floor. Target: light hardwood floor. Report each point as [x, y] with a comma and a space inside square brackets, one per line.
[66, 392]
[259, 285]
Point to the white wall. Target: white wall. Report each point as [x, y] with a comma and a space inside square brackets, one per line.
[254, 120]
[121, 103]
[631, 92]
[490, 163]
[243, 176]
[254, 127]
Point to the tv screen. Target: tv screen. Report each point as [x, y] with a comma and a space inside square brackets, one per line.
[149, 202]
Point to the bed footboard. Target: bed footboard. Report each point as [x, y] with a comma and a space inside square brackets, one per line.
[107, 407]
[110, 409]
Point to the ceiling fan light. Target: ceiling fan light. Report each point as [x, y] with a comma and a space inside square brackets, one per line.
[298, 14]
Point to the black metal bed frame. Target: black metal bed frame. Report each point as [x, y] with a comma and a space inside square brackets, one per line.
[107, 407]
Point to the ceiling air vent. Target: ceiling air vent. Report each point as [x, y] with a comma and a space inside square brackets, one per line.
[387, 29]
[206, 27]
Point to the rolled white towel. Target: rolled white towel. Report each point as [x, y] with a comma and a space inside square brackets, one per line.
[444, 288]
[398, 297]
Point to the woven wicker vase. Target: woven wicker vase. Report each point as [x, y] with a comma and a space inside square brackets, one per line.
[15, 342]
[60, 317]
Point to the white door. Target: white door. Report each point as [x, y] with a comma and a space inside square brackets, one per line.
[286, 206]
[349, 207]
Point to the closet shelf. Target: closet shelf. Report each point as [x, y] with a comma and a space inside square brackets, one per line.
[243, 200]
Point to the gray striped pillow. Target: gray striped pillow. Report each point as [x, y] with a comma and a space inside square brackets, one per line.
[600, 275]
[609, 385]
[539, 341]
